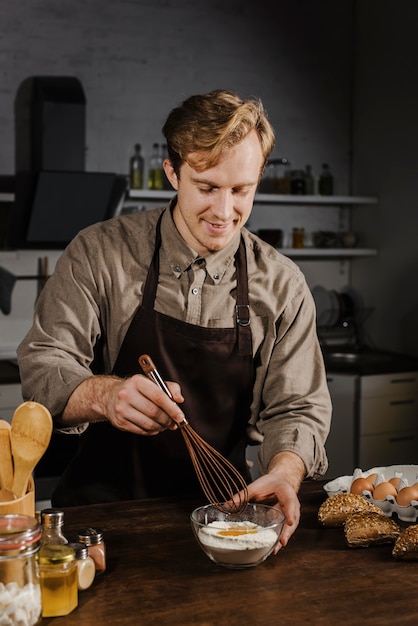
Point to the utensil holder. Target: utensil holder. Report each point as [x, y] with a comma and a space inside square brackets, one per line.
[24, 505]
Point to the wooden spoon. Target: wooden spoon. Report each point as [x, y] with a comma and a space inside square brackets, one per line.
[6, 461]
[30, 435]
[7, 496]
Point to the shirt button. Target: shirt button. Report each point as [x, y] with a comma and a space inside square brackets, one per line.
[195, 291]
[177, 269]
[216, 276]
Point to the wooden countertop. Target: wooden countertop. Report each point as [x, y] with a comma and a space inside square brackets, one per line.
[157, 574]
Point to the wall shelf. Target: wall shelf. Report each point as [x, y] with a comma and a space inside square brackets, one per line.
[344, 202]
[327, 253]
[266, 198]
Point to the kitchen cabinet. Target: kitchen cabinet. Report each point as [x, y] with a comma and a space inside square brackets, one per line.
[388, 419]
[343, 204]
[374, 423]
[341, 444]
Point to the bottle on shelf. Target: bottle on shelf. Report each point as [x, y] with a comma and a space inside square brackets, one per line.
[283, 176]
[309, 181]
[136, 168]
[297, 183]
[155, 171]
[325, 181]
[268, 178]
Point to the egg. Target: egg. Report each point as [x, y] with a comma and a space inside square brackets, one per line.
[395, 482]
[372, 478]
[361, 484]
[384, 489]
[407, 494]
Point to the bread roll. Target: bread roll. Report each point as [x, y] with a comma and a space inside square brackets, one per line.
[368, 528]
[335, 510]
[406, 546]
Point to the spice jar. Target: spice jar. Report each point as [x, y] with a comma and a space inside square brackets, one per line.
[297, 183]
[93, 539]
[52, 521]
[58, 574]
[298, 238]
[86, 567]
[20, 592]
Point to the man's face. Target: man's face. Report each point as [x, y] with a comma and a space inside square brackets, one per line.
[214, 204]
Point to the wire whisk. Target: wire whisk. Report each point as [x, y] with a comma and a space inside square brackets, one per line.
[221, 482]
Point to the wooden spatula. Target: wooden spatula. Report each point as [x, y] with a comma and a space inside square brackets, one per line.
[30, 435]
[6, 462]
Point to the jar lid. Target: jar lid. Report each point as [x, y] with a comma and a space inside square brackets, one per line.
[19, 533]
[90, 536]
[52, 517]
[80, 549]
[51, 554]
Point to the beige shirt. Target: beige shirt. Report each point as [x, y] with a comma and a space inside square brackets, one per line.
[97, 286]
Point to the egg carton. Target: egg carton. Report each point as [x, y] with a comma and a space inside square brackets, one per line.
[407, 473]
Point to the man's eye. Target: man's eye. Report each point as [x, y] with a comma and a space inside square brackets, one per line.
[208, 190]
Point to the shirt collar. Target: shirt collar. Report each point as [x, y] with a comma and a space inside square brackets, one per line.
[181, 257]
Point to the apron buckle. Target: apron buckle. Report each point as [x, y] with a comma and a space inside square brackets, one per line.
[243, 317]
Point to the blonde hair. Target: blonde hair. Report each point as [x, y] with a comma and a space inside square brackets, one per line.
[204, 126]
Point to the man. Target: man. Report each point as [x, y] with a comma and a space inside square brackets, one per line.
[224, 316]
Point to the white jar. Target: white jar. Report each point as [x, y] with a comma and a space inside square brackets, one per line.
[86, 567]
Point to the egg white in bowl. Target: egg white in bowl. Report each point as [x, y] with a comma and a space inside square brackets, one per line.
[237, 540]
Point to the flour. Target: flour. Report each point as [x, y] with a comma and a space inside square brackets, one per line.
[239, 543]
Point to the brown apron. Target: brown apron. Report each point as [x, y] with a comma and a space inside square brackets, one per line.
[215, 369]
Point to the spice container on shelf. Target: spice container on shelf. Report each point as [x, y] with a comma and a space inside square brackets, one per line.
[86, 567]
[309, 181]
[20, 591]
[325, 181]
[268, 179]
[58, 575]
[93, 539]
[282, 176]
[52, 521]
[297, 183]
[298, 237]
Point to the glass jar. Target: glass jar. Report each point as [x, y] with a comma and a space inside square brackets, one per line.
[297, 183]
[268, 180]
[58, 575]
[282, 176]
[86, 567]
[93, 539]
[298, 238]
[325, 181]
[52, 521]
[20, 591]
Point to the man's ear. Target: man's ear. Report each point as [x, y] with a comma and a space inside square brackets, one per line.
[170, 173]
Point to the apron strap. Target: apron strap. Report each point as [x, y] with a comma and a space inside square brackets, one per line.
[242, 307]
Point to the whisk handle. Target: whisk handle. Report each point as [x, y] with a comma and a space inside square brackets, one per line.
[151, 371]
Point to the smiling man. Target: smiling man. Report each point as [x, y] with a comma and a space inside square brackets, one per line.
[225, 317]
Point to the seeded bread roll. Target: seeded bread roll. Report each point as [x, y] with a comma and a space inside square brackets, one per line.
[406, 546]
[335, 510]
[367, 528]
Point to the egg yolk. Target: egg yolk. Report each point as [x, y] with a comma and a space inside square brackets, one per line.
[236, 531]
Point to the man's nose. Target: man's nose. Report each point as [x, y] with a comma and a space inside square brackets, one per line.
[224, 205]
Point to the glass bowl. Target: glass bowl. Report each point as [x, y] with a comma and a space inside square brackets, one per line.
[237, 540]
